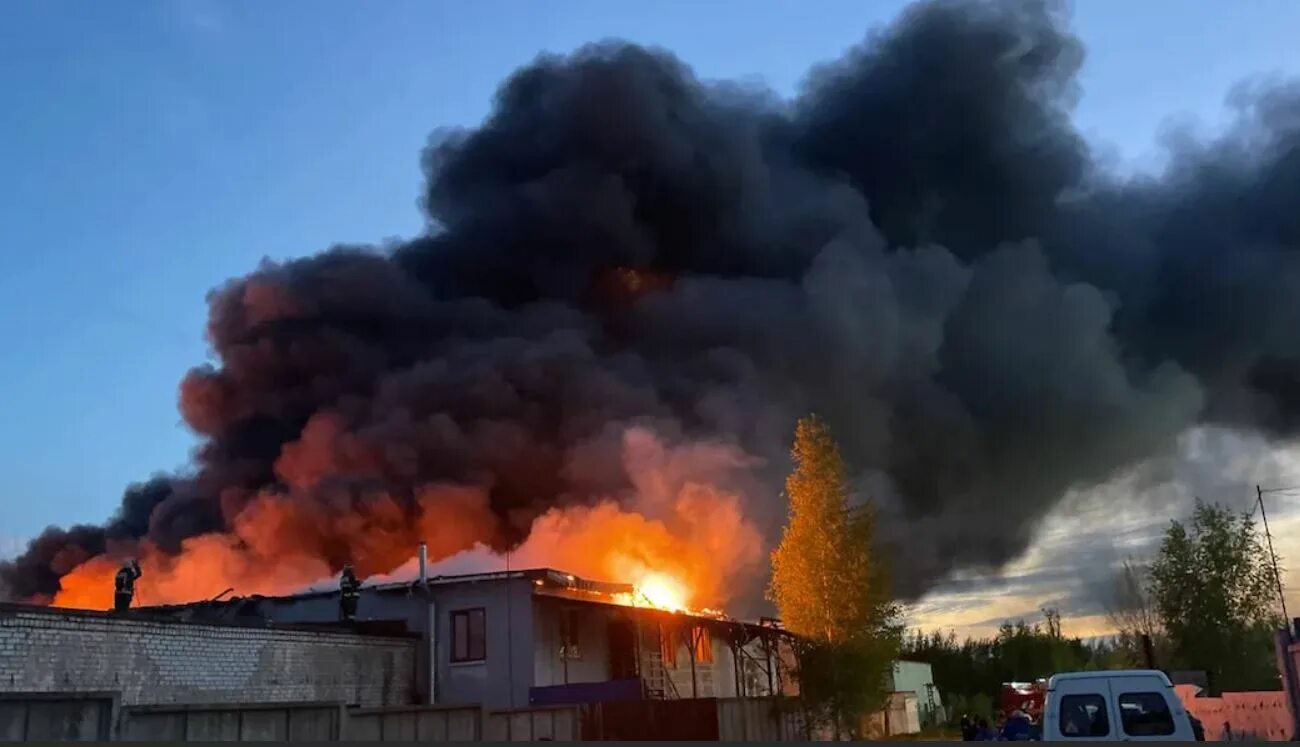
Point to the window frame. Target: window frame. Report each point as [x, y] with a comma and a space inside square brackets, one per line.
[668, 646]
[468, 614]
[1102, 698]
[701, 645]
[1169, 712]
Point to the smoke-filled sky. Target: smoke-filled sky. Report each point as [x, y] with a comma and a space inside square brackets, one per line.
[935, 238]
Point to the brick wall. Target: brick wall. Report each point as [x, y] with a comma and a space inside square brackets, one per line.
[152, 661]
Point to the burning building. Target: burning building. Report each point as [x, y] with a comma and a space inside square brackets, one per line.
[543, 637]
[634, 281]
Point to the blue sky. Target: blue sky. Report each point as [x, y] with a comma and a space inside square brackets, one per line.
[152, 150]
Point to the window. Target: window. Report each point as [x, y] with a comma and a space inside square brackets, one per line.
[668, 647]
[1145, 715]
[468, 635]
[1084, 716]
[703, 645]
[570, 624]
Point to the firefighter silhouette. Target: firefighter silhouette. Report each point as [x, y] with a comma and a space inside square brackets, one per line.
[124, 585]
[349, 593]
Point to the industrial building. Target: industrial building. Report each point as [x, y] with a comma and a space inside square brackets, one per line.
[540, 637]
[473, 648]
[486, 654]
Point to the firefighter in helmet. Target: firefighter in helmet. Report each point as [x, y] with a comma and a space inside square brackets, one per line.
[349, 592]
[124, 585]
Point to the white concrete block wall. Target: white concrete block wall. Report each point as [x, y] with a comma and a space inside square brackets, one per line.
[152, 661]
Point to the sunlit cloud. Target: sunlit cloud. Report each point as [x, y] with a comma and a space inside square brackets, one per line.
[1072, 563]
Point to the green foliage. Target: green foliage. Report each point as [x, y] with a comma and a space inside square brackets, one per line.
[829, 585]
[1212, 587]
[970, 673]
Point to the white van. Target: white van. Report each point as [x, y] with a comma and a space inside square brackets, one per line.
[1137, 705]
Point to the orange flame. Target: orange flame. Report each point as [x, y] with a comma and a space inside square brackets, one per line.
[662, 591]
[680, 540]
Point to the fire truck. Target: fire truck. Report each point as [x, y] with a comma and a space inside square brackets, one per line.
[1027, 697]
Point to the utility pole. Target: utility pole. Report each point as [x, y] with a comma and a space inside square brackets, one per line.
[1259, 495]
[510, 650]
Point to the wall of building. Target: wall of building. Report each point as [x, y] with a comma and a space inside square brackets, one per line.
[153, 661]
[715, 679]
[917, 677]
[503, 678]
[592, 662]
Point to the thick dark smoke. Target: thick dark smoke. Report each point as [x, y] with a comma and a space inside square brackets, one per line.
[920, 247]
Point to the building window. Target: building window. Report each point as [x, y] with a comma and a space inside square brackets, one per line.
[570, 624]
[1145, 715]
[1084, 716]
[703, 645]
[667, 646]
[468, 635]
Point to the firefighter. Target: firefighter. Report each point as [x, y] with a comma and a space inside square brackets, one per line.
[124, 585]
[349, 592]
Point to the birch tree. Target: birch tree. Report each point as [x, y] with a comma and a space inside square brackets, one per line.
[831, 587]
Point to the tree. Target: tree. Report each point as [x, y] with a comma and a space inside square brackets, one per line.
[970, 673]
[829, 585]
[1211, 585]
[1132, 613]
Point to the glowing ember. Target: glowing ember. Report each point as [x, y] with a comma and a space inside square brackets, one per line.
[662, 591]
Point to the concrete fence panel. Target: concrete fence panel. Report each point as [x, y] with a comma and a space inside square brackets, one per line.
[293, 722]
[415, 724]
[71, 717]
[759, 720]
[543, 724]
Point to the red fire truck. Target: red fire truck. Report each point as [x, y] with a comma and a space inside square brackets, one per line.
[1023, 696]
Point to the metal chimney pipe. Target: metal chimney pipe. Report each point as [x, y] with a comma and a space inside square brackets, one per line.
[424, 563]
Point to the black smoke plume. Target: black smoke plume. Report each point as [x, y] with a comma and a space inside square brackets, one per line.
[919, 246]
